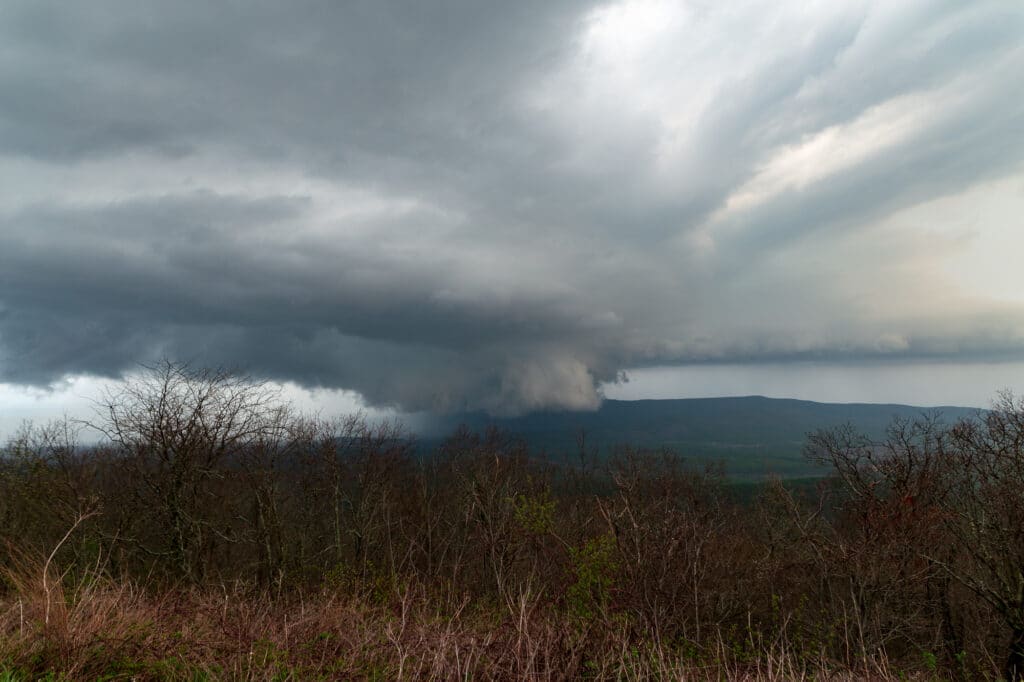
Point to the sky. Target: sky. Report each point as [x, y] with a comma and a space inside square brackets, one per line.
[514, 206]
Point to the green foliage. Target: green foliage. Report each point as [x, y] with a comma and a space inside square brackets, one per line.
[931, 661]
[535, 513]
[594, 567]
[341, 577]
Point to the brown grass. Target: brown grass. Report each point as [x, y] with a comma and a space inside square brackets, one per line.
[98, 628]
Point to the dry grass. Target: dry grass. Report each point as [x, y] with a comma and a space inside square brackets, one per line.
[97, 628]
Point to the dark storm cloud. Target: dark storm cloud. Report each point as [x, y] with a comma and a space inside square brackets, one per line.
[491, 205]
[216, 278]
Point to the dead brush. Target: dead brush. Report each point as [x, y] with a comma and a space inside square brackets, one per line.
[74, 624]
[237, 634]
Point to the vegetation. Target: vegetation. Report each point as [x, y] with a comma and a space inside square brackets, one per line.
[215, 534]
[753, 435]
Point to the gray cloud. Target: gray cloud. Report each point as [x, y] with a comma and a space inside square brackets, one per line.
[500, 206]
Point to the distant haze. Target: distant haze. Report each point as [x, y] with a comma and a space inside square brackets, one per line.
[514, 206]
[920, 383]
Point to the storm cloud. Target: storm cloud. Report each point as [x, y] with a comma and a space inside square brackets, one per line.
[503, 206]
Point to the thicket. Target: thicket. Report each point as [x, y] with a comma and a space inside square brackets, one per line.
[214, 532]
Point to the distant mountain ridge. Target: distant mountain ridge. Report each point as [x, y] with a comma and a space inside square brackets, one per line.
[753, 435]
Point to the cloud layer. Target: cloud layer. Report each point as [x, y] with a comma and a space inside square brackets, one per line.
[502, 206]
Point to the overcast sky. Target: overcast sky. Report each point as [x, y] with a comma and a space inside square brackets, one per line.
[512, 206]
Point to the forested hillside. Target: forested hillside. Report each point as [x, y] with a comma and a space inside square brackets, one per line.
[754, 437]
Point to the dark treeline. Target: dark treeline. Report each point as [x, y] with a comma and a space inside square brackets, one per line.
[912, 551]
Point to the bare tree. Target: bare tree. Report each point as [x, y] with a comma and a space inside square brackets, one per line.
[177, 428]
[985, 514]
[955, 495]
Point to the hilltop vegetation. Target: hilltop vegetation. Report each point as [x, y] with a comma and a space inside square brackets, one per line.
[215, 534]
